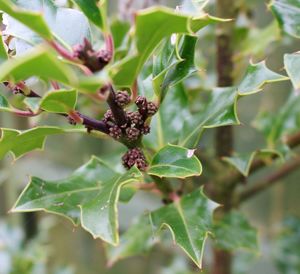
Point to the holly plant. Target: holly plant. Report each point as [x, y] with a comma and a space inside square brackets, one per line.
[134, 81]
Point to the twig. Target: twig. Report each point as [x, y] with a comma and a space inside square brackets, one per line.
[117, 111]
[260, 186]
[90, 123]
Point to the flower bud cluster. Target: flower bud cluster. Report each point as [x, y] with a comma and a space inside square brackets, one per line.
[94, 60]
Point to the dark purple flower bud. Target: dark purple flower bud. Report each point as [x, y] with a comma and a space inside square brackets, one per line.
[132, 133]
[122, 98]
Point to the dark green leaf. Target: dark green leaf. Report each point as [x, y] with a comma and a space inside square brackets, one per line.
[89, 197]
[175, 162]
[167, 124]
[189, 221]
[219, 111]
[93, 9]
[184, 68]
[234, 232]
[275, 126]
[286, 249]
[137, 240]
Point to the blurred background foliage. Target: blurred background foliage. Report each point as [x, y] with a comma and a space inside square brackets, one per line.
[37, 243]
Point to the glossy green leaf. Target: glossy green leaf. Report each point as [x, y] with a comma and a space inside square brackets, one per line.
[4, 104]
[55, 17]
[39, 62]
[184, 68]
[157, 23]
[248, 45]
[3, 51]
[167, 124]
[32, 103]
[89, 197]
[31, 19]
[92, 10]
[175, 162]
[257, 75]
[292, 66]
[286, 251]
[137, 240]
[234, 232]
[275, 126]
[21, 142]
[242, 162]
[59, 101]
[287, 13]
[219, 111]
[119, 29]
[189, 221]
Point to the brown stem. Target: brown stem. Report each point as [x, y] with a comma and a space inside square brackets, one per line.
[262, 185]
[224, 135]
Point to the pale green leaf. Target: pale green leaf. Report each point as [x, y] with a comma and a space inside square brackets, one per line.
[33, 20]
[243, 162]
[292, 66]
[59, 101]
[257, 75]
[3, 51]
[21, 142]
[88, 197]
[39, 62]
[189, 221]
[287, 13]
[175, 162]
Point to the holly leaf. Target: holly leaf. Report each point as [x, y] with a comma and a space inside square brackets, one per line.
[33, 20]
[287, 13]
[175, 162]
[189, 220]
[94, 10]
[21, 142]
[59, 101]
[3, 51]
[257, 75]
[243, 162]
[286, 252]
[137, 240]
[4, 104]
[40, 62]
[88, 197]
[292, 66]
[152, 26]
[233, 232]
[275, 126]
[219, 111]
[55, 17]
[184, 68]
[167, 124]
